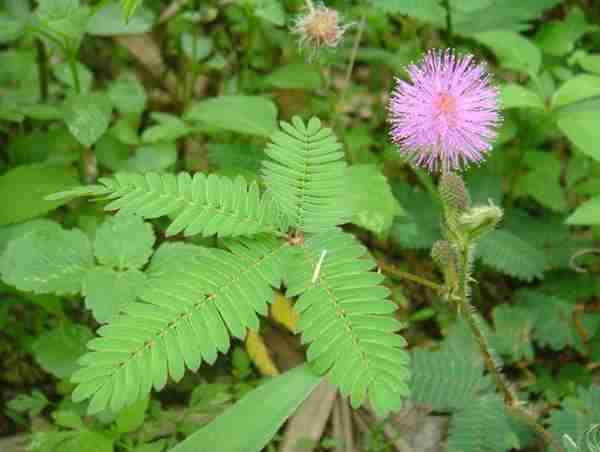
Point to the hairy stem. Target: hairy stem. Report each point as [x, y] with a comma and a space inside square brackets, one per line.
[491, 363]
[411, 277]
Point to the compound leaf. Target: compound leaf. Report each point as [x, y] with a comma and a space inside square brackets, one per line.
[346, 318]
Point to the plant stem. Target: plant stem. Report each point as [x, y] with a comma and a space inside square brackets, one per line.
[74, 73]
[449, 34]
[309, 5]
[350, 68]
[411, 277]
[492, 365]
[42, 60]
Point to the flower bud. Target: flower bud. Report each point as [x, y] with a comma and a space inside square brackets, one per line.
[454, 193]
[480, 220]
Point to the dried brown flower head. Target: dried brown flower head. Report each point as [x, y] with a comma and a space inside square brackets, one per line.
[319, 27]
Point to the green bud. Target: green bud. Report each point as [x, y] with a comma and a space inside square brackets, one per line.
[479, 220]
[454, 193]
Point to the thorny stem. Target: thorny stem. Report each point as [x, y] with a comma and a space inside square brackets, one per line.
[465, 308]
[411, 277]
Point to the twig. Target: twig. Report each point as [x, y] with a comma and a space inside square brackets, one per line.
[409, 276]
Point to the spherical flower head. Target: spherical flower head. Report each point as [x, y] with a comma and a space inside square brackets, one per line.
[319, 27]
[447, 116]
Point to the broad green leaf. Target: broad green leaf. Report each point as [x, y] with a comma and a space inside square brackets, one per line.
[67, 418]
[155, 157]
[542, 182]
[128, 95]
[370, 199]
[88, 440]
[47, 260]
[253, 115]
[124, 241]
[87, 116]
[109, 21]
[300, 76]
[256, 417]
[234, 159]
[513, 50]
[32, 404]
[575, 89]
[586, 214]
[129, 8]
[422, 227]
[111, 153]
[469, 6]
[55, 146]
[106, 290]
[425, 10]
[57, 350]
[14, 231]
[132, 417]
[63, 18]
[19, 79]
[13, 17]
[23, 188]
[196, 48]
[62, 71]
[558, 38]
[156, 446]
[590, 63]
[517, 96]
[271, 11]
[581, 127]
[168, 128]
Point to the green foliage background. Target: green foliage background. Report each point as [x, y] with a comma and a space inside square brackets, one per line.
[95, 93]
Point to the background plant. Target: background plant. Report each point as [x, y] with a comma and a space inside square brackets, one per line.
[94, 89]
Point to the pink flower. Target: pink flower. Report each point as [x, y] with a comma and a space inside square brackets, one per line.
[448, 116]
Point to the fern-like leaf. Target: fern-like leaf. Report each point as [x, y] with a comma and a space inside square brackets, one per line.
[511, 255]
[200, 204]
[306, 174]
[445, 380]
[482, 426]
[576, 415]
[185, 317]
[346, 318]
